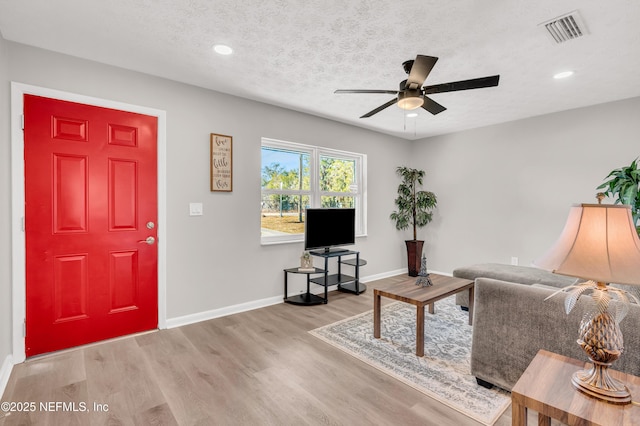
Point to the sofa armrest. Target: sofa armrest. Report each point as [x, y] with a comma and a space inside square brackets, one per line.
[512, 322]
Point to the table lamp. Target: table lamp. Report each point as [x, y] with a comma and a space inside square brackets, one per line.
[599, 243]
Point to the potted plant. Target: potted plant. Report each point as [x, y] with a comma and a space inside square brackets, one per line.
[413, 209]
[624, 185]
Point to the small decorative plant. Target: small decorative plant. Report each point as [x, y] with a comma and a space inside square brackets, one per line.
[624, 185]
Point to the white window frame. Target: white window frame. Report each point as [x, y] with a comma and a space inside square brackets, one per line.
[314, 193]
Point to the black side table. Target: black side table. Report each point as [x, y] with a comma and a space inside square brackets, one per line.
[304, 298]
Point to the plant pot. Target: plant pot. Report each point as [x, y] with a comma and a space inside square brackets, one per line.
[414, 256]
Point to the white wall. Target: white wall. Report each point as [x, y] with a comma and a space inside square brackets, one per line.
[505, 190]
[5, 209]
[216, 260]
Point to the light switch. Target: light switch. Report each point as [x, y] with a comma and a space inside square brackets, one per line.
[195, 209]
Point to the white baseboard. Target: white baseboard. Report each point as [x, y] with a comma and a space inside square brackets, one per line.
[5, 373]
[222, 312]
[382, 275]
[248, 306]
[446, 274]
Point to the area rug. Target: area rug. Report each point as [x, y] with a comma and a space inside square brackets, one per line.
[443, 373]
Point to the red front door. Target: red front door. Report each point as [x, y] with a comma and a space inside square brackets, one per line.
[91, 205]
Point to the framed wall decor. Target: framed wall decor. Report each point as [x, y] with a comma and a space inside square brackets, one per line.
[221, 158]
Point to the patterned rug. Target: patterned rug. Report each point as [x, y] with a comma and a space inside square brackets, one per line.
[443, 373]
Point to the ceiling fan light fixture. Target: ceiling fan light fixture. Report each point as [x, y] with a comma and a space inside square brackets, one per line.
[409, 100]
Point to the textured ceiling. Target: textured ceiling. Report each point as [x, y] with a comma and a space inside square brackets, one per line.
[295, 53]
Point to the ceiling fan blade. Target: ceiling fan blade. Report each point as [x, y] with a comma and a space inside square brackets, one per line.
[432, 106]
[380, 108]
[475, 83]
[390, 92]
[420, 69]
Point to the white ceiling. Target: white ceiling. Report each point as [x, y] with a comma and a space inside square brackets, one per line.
[295, 53]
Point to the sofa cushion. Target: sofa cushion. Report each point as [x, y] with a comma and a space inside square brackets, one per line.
[516, 274]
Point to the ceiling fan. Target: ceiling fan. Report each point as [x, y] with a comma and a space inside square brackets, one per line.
[411, 95]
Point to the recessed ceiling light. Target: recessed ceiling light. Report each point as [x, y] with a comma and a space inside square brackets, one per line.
[412, 114]
[563, 74]
[222, 49]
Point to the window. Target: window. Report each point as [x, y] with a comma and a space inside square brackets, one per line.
[296, 176]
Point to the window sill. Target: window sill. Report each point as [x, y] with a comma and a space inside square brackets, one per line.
[291, 240]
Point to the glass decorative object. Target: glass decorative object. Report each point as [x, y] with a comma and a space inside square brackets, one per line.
[423, 276]
[306, 262]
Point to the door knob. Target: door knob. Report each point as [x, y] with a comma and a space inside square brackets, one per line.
[150, 240]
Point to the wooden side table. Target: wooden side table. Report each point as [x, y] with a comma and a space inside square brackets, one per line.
[546, 387]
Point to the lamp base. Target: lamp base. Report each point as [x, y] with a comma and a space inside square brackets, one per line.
[597, 382]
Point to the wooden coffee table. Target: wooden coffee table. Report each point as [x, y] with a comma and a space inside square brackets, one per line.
[407, 291]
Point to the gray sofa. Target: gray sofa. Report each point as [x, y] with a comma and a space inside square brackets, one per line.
[512, 321]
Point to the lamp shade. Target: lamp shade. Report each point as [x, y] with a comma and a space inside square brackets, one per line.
[599, 242]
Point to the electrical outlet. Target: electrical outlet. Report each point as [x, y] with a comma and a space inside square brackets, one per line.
[514, 260]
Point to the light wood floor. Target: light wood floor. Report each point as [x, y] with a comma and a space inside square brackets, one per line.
[255, 368]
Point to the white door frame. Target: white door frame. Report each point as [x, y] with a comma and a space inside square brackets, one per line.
[18, 247]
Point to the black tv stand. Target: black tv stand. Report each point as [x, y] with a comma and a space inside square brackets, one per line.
[346, 283]
[328, 251]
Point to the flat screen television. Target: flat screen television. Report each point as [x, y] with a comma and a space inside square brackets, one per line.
[326, 229]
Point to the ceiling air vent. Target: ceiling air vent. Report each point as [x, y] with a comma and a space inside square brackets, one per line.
[566, 27]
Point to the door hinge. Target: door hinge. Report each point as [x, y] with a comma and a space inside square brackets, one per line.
[23, 228]
[24, 328]
[22, 121]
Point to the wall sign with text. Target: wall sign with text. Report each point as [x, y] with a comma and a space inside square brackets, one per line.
[221, 163]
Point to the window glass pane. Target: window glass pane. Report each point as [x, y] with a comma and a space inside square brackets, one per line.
[287, 187]
[338, 202]
[282, 169]
[336, 175]
[283, 214]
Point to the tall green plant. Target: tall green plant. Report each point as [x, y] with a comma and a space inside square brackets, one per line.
[413, 206]
[624, 185]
